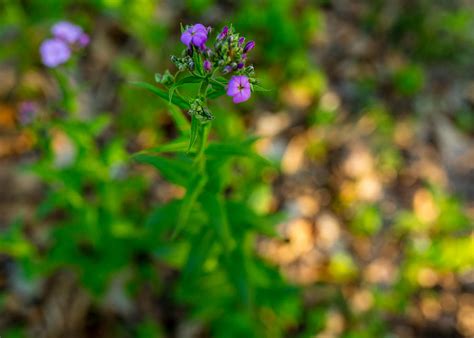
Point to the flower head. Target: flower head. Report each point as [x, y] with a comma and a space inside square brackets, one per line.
[239, 88]
[195, 35]
[241, 41]
[67, 32]
[54, 52]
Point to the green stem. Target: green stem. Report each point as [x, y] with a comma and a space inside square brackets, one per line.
[201, 146]
[67, 91]
[203, 88]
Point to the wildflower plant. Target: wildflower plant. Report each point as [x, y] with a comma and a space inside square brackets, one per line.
[219, 67]
[209, 234]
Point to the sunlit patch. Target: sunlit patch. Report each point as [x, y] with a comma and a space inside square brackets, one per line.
[430, 308]
[293, 158]
[381, 271]
[424, 206]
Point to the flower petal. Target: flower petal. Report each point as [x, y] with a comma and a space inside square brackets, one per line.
[241, 96]
[67, 31]
[233, 88]
[199, 28]
[54, 52]
[199, 39]
[186, 38]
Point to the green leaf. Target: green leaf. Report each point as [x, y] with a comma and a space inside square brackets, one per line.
[178, 145]
[257, 88]
[235, 149]
[177, 100]
[244, 219]
[215, 93]
[198, 254]
[181, 82]
[218, 84]
[195, 125]
[174, 170]
[180, 120]
[198, 63]
[213, 204]
[194, 189]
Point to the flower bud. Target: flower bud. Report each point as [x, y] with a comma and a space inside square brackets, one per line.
[223, 34]
[249, 46]
[249, 70]
[227, 69]
[207, 65]
[166, 78]
[241, 41]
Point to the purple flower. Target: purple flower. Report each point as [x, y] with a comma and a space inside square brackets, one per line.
[222, 35]
[27, 111]
[207, 65]
[249, 46]
[84, 40]
[67, 31]
[239, 88]
[54, 52]
[195, 35]
[241, 41]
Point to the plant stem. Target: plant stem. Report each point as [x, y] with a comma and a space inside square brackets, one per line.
[201, 147]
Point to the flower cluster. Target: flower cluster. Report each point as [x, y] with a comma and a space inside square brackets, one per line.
[67, 38]
[195, 35]
[228, 55]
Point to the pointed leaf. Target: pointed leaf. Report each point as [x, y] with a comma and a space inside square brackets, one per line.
[214, 206]
[178, 145]
[181, 82]
[195, 125]
[180, 120]
[198, 254]
[215, 93]
[257, 88]
[177, 100]
[174, 170]
[194, 189]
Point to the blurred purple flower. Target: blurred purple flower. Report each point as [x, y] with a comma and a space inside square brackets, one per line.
[54, 52]
[207, 65]
[84, 40]
[67, 31]
[249, 46]
[241, 41]
[195, 35]
[239, 88]
[27, 111]
[223, 33]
